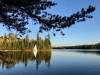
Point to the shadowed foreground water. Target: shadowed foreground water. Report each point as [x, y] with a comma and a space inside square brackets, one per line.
[57, 62]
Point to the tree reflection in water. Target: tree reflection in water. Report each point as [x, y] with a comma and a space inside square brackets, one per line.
[90, 52]
[10, 59]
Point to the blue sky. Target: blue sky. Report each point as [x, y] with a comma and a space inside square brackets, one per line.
[87, 32]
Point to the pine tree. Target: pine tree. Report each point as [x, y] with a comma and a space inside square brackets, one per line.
[22, 10]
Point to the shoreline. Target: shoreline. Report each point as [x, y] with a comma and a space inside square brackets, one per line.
[24, 50]
[76, 48]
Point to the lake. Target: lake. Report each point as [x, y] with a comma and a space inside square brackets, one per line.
[55, 62]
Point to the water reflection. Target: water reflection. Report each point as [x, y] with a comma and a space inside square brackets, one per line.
[62, 62]
[10, 59]
[89, 52]
[85, 51]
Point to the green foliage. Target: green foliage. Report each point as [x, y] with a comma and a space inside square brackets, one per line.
[43, 44]
[14, 14]
[11, 42]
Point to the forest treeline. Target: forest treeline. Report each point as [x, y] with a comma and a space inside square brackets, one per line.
[12, 42]
[96, 46]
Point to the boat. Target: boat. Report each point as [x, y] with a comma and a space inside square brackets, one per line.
[35, 50]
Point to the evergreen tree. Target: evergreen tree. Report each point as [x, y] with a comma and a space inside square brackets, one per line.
[12, 43]
[21, 10]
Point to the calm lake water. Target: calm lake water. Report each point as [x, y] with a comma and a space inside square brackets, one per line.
[55, 62]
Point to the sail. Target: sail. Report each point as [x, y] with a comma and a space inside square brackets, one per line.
[35, 50]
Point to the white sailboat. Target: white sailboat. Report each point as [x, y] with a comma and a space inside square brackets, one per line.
[35, 50]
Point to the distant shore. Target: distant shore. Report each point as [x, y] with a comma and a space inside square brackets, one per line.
[96, 46]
